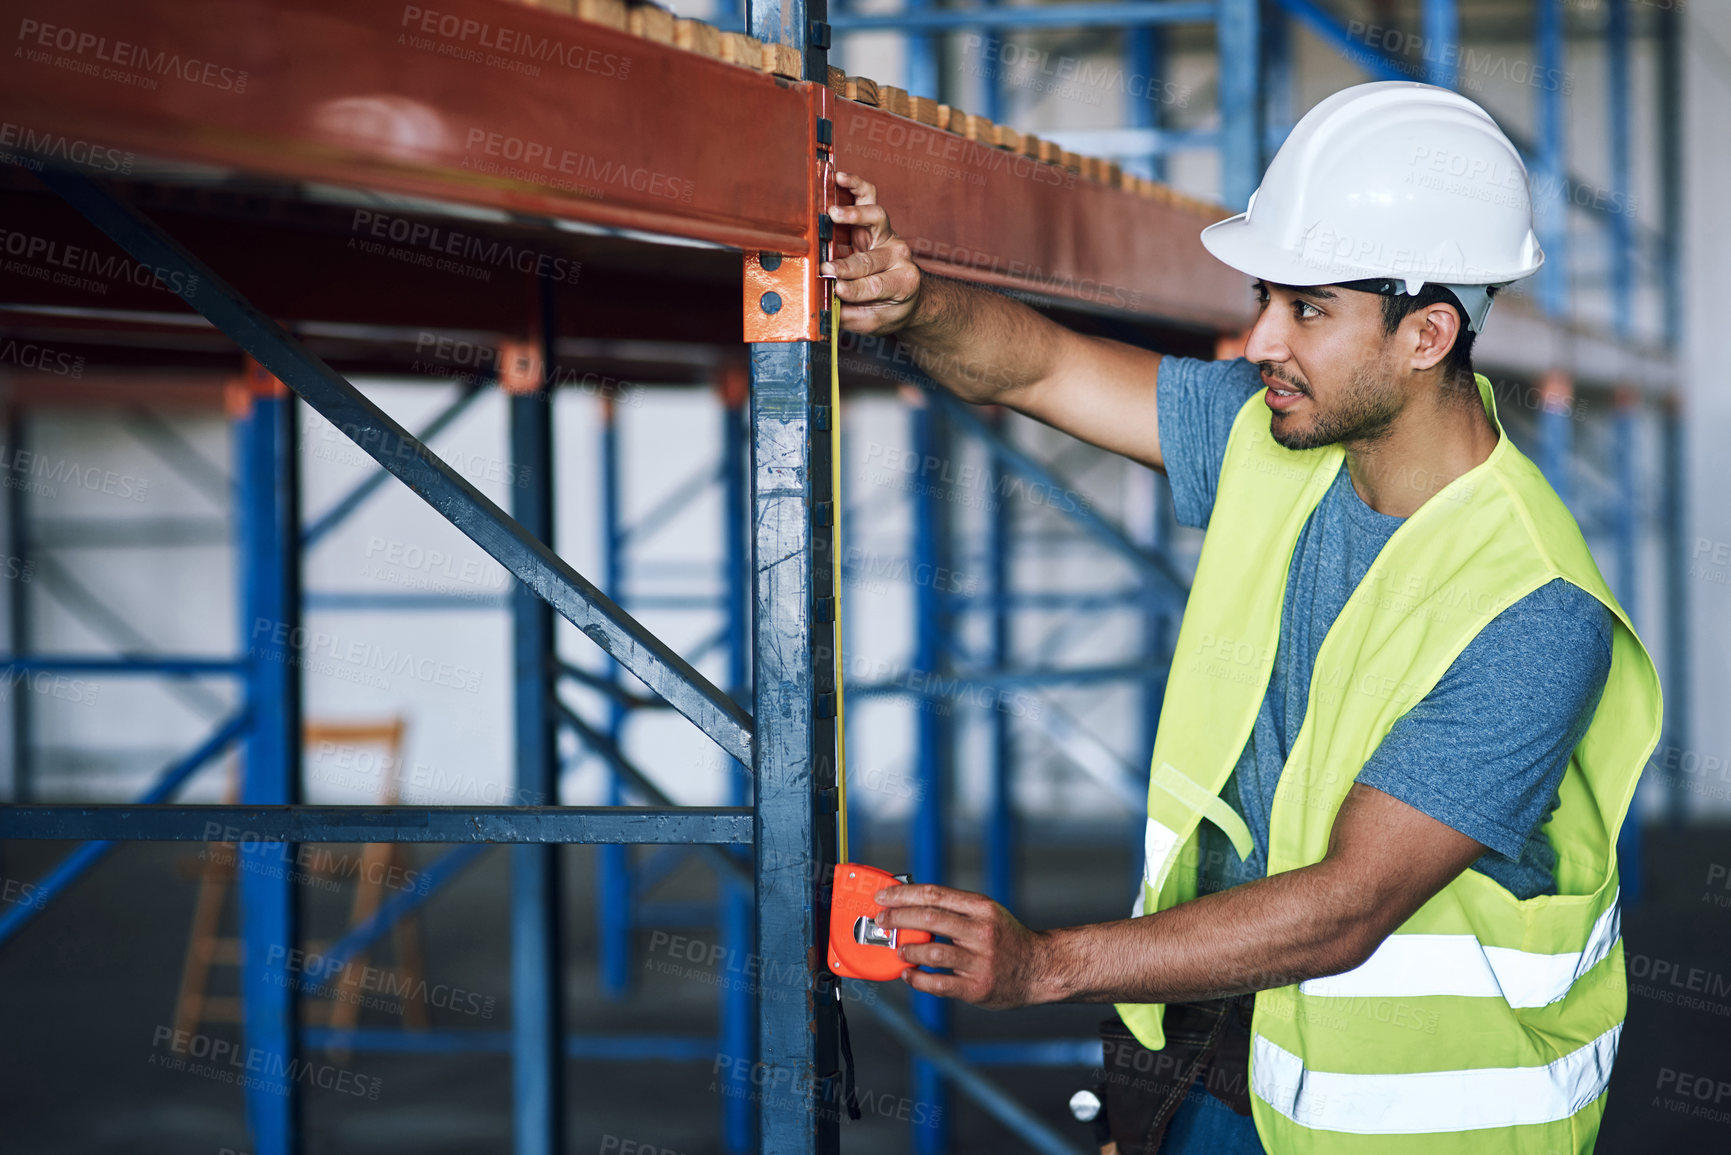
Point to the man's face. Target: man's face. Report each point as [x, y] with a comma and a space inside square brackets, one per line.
[1325, 361]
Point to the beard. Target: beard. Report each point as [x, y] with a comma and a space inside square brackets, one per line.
[1364, 411]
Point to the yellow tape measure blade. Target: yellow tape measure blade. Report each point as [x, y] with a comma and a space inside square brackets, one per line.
[835, 564]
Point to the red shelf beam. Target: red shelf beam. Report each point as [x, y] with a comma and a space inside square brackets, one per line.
[497, 105]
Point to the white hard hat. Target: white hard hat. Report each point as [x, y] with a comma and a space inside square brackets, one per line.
[1390, 180]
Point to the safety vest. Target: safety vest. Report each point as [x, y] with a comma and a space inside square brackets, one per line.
[1484, 1024]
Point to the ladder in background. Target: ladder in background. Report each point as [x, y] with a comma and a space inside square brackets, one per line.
[207, 947]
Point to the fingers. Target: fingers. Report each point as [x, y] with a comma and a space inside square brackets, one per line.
[931, 918]
[864, 191]
[935, 954]
[931, 894]
[878, 282]
[871, 224]
[860, 264]
[863, 291]
[867, 277]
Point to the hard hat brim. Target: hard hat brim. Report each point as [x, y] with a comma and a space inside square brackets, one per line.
[1235, 242]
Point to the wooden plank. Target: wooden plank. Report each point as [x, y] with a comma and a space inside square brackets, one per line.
[862, 90]
[696, 36]
[738, 48]
[783, 60]
[894, 100]
[608, 12]
[650, 22]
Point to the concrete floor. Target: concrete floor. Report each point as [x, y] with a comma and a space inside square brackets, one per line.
[86, 991]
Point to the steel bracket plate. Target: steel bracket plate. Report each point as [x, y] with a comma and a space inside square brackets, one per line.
[784, 300]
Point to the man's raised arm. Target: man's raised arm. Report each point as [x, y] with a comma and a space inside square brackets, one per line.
[988, 348]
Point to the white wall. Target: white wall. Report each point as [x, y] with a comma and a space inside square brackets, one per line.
[1704, 767]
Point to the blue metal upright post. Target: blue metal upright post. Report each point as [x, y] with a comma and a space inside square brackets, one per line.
[1626, 517]
[267, 473]
[1556, 430]
[992, 73]
[18, 605]
[1549, 200]
[1277, 83]
[1239, 41]
[1442, 38]
[613, 878]
[926, 857]
[1669, 80]
[795, 1082]
[737, 1001]
[537, 1021]
[1622, 230]
[1678, 705]
[922, 60]
[1145, 56]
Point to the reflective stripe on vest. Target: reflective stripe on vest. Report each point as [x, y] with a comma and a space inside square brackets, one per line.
[1428, 1101]
[1419, 965]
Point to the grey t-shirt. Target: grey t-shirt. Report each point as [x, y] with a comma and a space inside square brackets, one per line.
[1483, 752]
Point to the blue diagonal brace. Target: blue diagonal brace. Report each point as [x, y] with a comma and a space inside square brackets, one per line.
[1155, 567]
[728, 868]
[73, 866]
[356, 497]
[430, 878]
[446, 490]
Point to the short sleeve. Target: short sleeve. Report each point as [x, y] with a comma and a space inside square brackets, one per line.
[1197, 402]
[1485, 750]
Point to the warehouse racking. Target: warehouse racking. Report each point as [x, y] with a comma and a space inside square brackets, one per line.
[259, 185]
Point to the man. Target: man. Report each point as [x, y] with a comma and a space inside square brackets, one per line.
[1405, 716]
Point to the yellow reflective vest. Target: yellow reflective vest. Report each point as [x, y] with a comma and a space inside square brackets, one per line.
[1485, 1024]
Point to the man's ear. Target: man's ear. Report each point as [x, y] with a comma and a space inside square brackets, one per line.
[1435, 331]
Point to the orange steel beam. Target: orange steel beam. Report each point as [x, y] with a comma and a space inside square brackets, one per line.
[497, 105]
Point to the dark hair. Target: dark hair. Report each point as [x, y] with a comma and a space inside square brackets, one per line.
[1397, 306]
